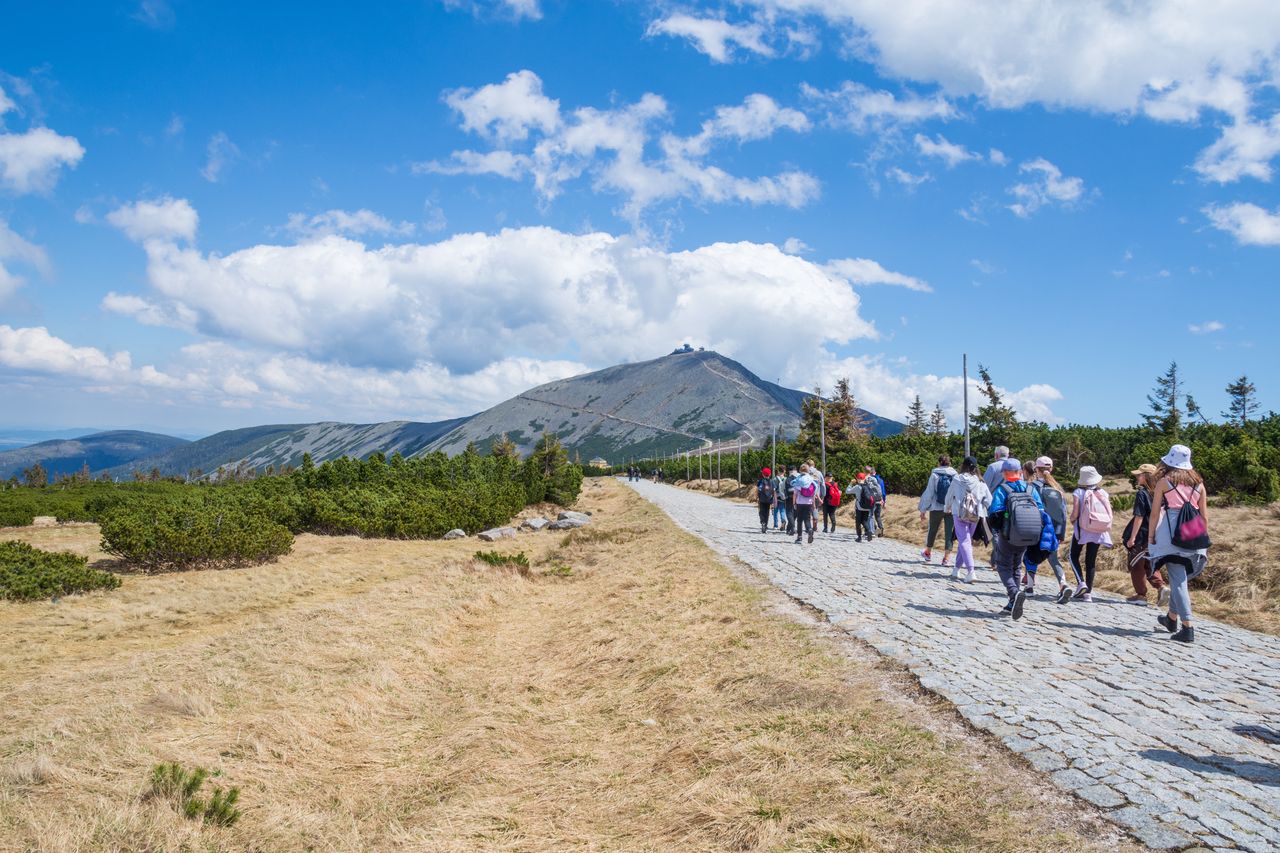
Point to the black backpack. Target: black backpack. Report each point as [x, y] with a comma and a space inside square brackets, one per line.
[869, 496]
[1022, 520]
[764, 490]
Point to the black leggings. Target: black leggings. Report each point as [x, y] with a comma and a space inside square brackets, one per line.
[1090, 561]
[828, 515]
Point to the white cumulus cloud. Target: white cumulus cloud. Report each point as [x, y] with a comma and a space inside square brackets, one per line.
[1250, 224]
[949, 152]
[30, 162]
[1046, 186]
[1206, 328]
[353, 223]
[866, 271]
[163, 218]
[861, 108]
[713, 36]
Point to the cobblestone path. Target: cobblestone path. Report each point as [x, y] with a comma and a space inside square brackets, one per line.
[1179, 744]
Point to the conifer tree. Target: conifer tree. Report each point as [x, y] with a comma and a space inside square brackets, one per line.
[916, 423]
[995, 420]
[1165, 415]
[938, 421]
[1194, 410]
[35, 476]
[504, 447]
[1243, 403]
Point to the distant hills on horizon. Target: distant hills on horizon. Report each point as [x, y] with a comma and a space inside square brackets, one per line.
[683, 401]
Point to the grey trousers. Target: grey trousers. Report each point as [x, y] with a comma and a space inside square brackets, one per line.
[1006, 559]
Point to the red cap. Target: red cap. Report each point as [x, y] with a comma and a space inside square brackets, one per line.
[766, 472]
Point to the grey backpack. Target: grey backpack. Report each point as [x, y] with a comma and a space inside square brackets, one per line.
[1022, 521]
[1055, 505]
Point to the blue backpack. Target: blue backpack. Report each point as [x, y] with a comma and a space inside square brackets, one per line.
[940, 490]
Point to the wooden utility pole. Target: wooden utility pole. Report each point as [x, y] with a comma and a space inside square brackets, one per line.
[966, 404]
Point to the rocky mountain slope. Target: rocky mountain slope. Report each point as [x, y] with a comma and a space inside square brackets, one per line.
[284, 444]
[679, 402]
[99, 451]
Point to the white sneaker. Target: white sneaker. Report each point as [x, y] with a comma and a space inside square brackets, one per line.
[955, 574]
[1162, 597]
[968, 576]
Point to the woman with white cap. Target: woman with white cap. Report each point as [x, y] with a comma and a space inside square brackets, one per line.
[1091, 518]
[1043, 484]
[1178, 534]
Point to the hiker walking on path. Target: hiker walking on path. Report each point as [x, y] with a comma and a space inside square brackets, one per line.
[967, 501]
[1178, 535]
[830, 503]
[1051, 495]
[1141, 570]
[933, 503]
[884, 496]
[789, 494]
[779, 501]
[863, 493]
[765, 497]
[1016, 524]
[806, 497]
[1091, 518]
[994, 474]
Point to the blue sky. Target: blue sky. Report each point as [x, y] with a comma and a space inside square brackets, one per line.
[219, 214]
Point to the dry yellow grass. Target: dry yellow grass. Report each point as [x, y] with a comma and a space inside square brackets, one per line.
[397, 695]
[1241, 585]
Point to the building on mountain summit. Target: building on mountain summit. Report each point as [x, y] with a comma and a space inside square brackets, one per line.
[599, 462]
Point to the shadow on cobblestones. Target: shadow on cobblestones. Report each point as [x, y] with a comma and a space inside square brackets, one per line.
[1104, 629]
[1254, 771]
[953, 611]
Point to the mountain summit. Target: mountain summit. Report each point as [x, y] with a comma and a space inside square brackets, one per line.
[682, 401]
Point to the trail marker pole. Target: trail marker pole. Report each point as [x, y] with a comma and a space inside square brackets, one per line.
[686, 466]
[739, 460]
[966, 404]
[774, 465]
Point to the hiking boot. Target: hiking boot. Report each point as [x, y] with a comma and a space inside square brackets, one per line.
[1136, 599]
[870, 537]
[859, 539]
[1186, 635]
[1162, 597]
[1018, 601]
[810, 537]
[1170, 625]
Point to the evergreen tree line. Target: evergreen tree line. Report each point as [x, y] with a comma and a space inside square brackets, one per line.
[1239, 457]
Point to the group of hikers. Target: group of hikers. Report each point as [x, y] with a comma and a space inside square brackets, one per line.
[1024, 514]
[634, 473]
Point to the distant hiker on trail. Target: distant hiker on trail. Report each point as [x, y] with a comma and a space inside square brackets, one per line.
[884, 496]
[765, 497]
[779, 501]
[1040, 479]
[865, 497]
[1178, 534]
[790, 495]
[806, 497]
[968, 500]
[1017, 522]
[994, 475]
[830, 503]
[1141, 570]
[1091, 529]
[933, 502]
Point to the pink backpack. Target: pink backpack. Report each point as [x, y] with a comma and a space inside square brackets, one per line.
[1095, 512]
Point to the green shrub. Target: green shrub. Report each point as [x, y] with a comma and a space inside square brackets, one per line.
[495, 558]
[27, 573]
[181, 788]
[198, 531]
[1121, 503]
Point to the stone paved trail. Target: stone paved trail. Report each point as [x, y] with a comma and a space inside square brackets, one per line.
[1179, 744]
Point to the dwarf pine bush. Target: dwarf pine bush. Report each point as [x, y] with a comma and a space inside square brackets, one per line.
[180, 786]
[28, 574]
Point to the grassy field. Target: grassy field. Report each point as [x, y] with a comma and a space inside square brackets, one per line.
[628, 692]
[1241, 585]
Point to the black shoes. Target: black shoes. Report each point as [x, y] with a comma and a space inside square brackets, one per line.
[1170, 625]
[810, 537]
[1064, 595]
[1186, 635]
[1018, 601]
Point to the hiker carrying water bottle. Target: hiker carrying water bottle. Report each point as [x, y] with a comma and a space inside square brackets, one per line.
[1178, 537]
[1017, 522]
[933, 506]
[967, 502]
[1091, 518]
